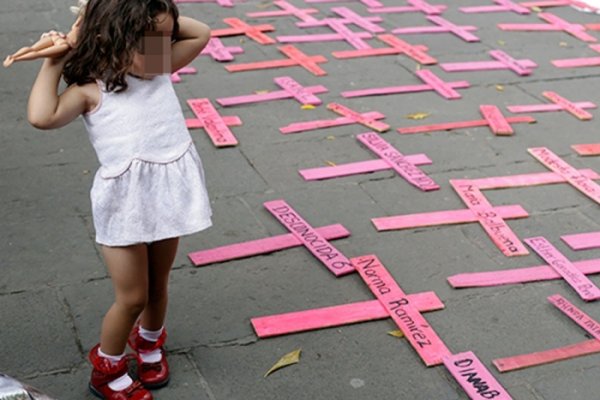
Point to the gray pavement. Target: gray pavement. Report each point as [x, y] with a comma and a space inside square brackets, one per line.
[53, 285]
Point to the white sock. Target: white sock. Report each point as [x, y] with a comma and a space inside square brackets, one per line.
[121, 382]
[151, 336]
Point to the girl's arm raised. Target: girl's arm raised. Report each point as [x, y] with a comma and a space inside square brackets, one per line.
[192, 38]
[47, 110]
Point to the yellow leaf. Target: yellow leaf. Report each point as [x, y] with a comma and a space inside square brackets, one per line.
[288, 359]
[330, 137]
[397, 333]
[563, 44]
[330, 163]
[418, 68]
[419, 115]
[501, 42]
[500, 88]
[307, 107]
[536, 9]
[261, 91]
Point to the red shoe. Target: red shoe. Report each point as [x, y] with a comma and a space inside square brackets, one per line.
[152, 375]
[104, 372]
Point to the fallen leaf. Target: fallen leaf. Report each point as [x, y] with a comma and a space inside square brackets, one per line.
[501, 42]
[536, 9]
[288, 359]
[330, 163]
[418, 67]
[261, 91]
[307, 107]
[419, 115]
[242, 41]
[397, 333]
[330, 137]
[563, 44]
[500, 88]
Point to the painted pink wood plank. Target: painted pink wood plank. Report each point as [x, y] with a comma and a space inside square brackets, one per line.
[511, 181]
[286, 9]
[497, 229]
[575, 30]
[175, 78]
[358, 117]
[441, 87]
[239, 27]
[428, 29]
[579, 317]
[459, 125]
[572, 175]
[401, 89]
[321, 37]
[324, 251]
[417, 330]
[297, 91]
[193, 123]
[368, 3]
[349, 36]
[548, 356]
[577, 62]
[260, 246]
[310, 63]
[582, 241]
[277, 95]
[397, 161]
[567, 105]
[460, 31]
[358, 20]
[327, 317]
[220, 52]
[356, 168]
[518, 275]
[481, 66]
[546, 3]
[592, 149]
[547, 107]
[502, 5]
[584, 287]
[425, 7]
[498, 123]
[520, 67]
[474, 378]
[417, 53]
[213, 123]
[296, 127]
[437, 218]
[433, 10]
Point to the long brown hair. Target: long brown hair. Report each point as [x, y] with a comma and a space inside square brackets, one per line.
[112, 30]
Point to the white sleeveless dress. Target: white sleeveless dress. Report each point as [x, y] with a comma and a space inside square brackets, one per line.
[150, 185]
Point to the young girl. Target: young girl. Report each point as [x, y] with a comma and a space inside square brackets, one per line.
[150, 187]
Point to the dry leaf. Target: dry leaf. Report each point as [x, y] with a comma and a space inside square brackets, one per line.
[261, 91]
[330, 137]
[418, 67]
[536, 9]
[288, 359]
[500, 88]
[307, 107]
[563, 44]
[397, 333]
[330, 163]
[501, 42]
[242, 41]
[419, 115]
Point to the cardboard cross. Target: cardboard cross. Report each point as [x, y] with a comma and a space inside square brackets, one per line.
[355, 39]
[415, 6]
[579, 62]
[432, 82]
[502, 61]
[347, 16]
[501, 6]
[222, 3]
[443, 26]
[591, 149]
[291, 89]
[287, 9]
[584, 287]
[574, 177]
[397, 47]
[216, 126]
[555, 24]
[390, 158]
[175, 78]
[368, 3]
[301, 233]
[349, 116]
[560, 104]
[561, 353]
[296, 58]
[239, 27]
[493, 118]
[219, 52]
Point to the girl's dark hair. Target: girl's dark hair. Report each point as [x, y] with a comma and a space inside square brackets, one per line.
[112, 30]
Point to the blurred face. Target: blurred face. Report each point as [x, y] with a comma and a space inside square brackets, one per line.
[155, 56]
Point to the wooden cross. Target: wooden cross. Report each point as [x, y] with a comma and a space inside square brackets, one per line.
[175, 78]
[502, 61]
[222, 3]
[216, 126]
[493, 118]
[579, 62]
[443, 26]
[219, 52]
[295, 58]
[239, 27]
[287, 9]
[397, 46]
[355, 39]
[432, 82]
[291, 89]
[415, 6]
[554, 23]
[368, 3]
[349, 116]
[501, 6]
[559, 104]
[591, 149]
[347, 17]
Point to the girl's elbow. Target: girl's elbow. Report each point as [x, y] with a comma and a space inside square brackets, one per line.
[39, 122]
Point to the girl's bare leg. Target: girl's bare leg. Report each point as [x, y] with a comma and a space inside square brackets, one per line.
[160, 260]
[128, 269]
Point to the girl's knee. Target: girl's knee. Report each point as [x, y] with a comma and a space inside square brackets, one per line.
[133, 305]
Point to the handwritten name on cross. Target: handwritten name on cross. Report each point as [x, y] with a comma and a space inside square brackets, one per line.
[397, 47]
[493, 118]
[296, 58]
[554, 23]
[432, 83]
[219, 52]
[216, 126]
[443, 26]
[503, 61]
[291, 89]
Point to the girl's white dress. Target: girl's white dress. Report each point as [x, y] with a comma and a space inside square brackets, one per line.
[150, 185]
